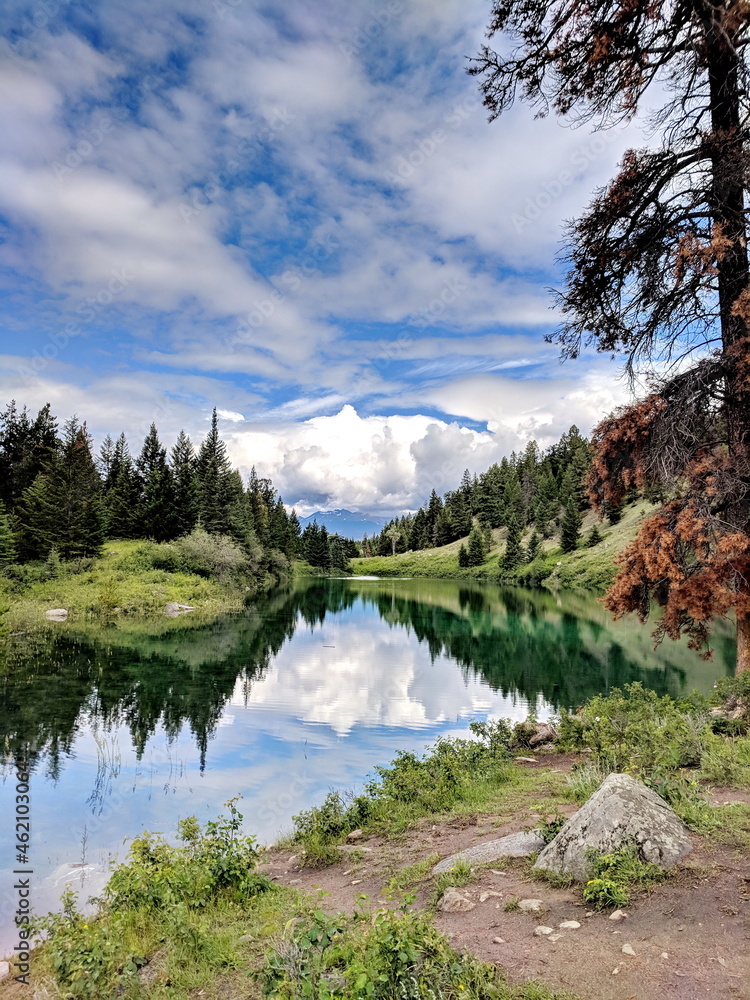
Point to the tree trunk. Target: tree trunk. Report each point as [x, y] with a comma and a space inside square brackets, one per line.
[728, 210]
[743, 644]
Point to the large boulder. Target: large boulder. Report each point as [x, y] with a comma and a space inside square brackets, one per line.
[621, 811]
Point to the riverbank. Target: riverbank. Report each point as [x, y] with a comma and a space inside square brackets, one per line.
[587, 568]
[130, 580]
[214, 919]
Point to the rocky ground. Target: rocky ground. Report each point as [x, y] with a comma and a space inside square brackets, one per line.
[688, 938]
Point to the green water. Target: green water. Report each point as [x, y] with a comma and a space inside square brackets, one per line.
[134, 726]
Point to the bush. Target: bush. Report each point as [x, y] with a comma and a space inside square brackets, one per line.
[618, 873]
[385, 955]
[409, 787]
[217, 556]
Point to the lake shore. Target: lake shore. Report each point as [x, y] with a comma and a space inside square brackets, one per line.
[305, 922]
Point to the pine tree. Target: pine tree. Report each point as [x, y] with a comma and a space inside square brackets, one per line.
[533, 547]
[594, 537]
[476, 551]
[213, 470]
[513, 554]
[295, 532]
[463, 556]
[7, 539]
[121, 493]
[62, 508]
[185, 485]
[570, 529]
[155, 516]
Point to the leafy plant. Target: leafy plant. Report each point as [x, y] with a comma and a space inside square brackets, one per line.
[616, 874]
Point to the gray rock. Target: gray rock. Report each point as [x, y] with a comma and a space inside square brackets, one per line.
[516, 845]
[172, 609]
[620, 811]
[545, 733]
[453, 901]
[56, 614]
[530, 905]
[568, 925]
[542, 931]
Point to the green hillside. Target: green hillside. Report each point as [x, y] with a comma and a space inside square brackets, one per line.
[584, 569]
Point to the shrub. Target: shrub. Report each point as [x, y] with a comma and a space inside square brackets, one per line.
[199, 552]
[616, 874]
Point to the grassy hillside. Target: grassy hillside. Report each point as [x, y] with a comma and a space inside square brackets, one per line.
[131, 579]
[585, 569]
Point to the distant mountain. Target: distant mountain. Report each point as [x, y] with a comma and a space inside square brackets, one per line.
[346, 523]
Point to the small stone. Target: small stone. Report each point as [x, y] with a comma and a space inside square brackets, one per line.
[495, 940]
[56, 614]
[245, 938]
[589, 913]
[543, 931]
[530, 905]
[617, 915]
[355, 881]
[525, 760]
[665, 954]
[554, 937]
[615, 971]
[347, 872]
[568, 925]
[488, 893]
[452, 901]
[722, 961]
[354, 835]
[627, 949]
[496, 872]
[681, 927]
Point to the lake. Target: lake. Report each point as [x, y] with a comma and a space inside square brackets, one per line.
[138, 725]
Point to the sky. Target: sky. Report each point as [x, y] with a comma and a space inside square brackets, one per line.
[298, 214]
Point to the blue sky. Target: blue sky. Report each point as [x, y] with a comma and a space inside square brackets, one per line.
[298, 214]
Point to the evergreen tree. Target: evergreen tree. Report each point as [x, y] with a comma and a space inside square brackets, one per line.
[463, 556]
[547, 504]
[570, 529]
[261, 496]
[7, 539]
[121, 494]
[476, 552]
[513, 554]
[156, 517]
[533, 547]
[62, 508]
[339, 557]
[213, 470]
[26, 447]
[594, 537]
[295, 531]
[184, 484]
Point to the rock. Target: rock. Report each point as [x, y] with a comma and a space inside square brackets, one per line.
[354, 835]
[627, 949]
[56, 614]
[172, 609]
[568, 925]
[526, 760]
[497, 940]
[4, 969]
[620, 811]
[530, 905]
[484, 896]
[589, 913]
[618, 915]
[516, 845]
[351, 848]
[453, 901]
[545, 733]
[543, 931]
[665, 954]
[153, 971]
[554, 937]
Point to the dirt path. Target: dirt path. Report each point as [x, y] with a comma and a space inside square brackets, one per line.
[690, 935]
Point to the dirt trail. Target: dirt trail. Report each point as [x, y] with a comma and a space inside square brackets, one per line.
[690, 935]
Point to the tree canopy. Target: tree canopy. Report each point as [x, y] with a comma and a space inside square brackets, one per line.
[658, 273]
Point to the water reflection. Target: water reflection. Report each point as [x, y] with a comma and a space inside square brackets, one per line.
[134, 727]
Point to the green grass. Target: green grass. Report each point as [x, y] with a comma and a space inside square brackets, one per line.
[590, 569]
[121, 583]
